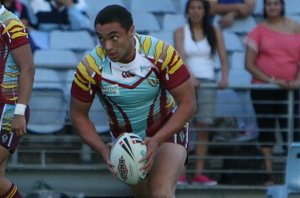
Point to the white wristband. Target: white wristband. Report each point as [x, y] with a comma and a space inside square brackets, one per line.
[20, 109]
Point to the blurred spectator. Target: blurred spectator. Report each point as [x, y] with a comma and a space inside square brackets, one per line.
[60, 14]
[273, 56]
[20, 10]
[231, 10]
[198, 42]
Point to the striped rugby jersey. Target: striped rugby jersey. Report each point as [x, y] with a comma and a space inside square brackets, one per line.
[134, 95]
[13, 35]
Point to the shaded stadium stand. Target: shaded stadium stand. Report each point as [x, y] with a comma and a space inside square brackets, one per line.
[145, 22]
[171, 22]
[47, 103]
[56, 59]
[259, 8]
[237, 61]
[232, 42]
[239, 26]
[94, 6]
[166, 36]
[292, 175]
[155, 6]
[292, 7]
[71, 40]
[295, 18]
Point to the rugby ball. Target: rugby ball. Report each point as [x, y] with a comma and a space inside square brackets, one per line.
[125, 155]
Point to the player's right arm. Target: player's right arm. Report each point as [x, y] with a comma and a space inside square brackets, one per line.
[79, 112]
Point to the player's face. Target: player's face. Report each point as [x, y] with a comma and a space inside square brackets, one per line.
[273, 8]
[116, 41]
[196, 11]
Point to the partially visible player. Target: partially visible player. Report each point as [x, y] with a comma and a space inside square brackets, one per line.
[16, 79]
[145, 88]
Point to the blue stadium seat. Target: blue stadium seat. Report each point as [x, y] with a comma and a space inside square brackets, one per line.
[47, 103]
[71, 40]
[292, 175]
[237, 61]
[166, 36]
[171, 22]
[55, 59]
[259, 8]
[292, 7]
[239, 26]
[232, 42]
[94, 6]
[155, 6]
[145, 22]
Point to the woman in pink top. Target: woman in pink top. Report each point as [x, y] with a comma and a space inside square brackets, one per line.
[273, 56]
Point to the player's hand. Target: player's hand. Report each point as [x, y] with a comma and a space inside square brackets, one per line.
[152, 146]
[106, 157]
[223, 84]
[19, 125]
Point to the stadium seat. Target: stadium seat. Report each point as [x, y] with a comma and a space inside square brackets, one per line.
[240, 26]
[292, 175]
[295, 18]
[94, 6]
[171, 22]
[166, 36]
[259, 8]
[145, 22]
[47, 103]
[232, 42]
[292, 7]
[155, 6]
[56, 59]
[71, 40]
[237, 61]
[239, 78]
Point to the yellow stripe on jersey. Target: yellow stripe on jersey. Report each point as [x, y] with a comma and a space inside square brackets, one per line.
[178, 62]
[19, 34]
[92, 64]
[100, 52]
[12, 193]
[11, 24]
[168, 58]
[147, 45]
[170, 104]
[81, 85]
[158, 50]
[83, 70]
[9, 86]
[11, 74]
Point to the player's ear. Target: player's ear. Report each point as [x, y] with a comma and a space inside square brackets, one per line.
[131, 30]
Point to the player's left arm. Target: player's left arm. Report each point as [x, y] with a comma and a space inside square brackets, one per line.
[184, 95]
[23, 59]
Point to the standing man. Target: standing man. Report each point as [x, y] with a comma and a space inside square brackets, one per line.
[145, 88]
[16, 79]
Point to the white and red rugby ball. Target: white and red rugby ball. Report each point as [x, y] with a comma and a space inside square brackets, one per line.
[125, 155]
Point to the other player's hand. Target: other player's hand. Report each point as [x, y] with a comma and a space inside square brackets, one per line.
[19, 125]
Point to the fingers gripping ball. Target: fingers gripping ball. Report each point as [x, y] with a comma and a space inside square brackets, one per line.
[125, 155]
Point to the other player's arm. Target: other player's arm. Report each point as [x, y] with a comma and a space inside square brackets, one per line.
[23, 58]
[86, 130]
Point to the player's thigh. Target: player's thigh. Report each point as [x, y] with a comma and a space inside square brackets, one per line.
[169, 162]
[140, 190]
[4, 154]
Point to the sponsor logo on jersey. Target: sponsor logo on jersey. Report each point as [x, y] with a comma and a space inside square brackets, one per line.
[122, 169]
[153, 81]
[127, 74]
[111, 90]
